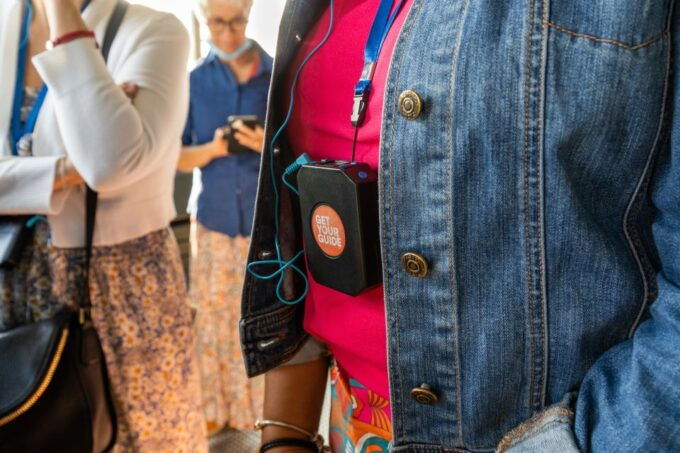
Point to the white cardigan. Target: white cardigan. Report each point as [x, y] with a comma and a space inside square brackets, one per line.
[127, 152]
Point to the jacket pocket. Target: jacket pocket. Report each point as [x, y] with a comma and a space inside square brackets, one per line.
[627, 24]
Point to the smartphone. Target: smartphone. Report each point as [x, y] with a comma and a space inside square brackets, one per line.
[235, 147]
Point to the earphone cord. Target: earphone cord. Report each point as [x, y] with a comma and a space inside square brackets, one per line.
[279, 262]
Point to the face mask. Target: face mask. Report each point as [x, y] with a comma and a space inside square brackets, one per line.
[247, 44]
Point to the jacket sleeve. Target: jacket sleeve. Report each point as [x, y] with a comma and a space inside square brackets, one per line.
[112, 141]
[26, 185]
[630, 399]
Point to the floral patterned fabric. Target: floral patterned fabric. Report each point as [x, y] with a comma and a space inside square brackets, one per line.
[26, 290]
[217, 272]
[145, 326]
[360, 418]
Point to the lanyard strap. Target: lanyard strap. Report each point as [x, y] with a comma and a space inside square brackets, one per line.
[17, 130]
[384, 19]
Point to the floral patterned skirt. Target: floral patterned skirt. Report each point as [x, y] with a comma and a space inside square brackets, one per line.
[217, 272]
[26, 290]
[359, 421]
[145, 326]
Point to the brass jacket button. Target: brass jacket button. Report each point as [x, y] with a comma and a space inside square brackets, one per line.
[410, 105]
[424, 395]
[415, 264]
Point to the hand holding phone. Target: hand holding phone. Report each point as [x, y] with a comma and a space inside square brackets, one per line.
[252, 138]
[244, 134]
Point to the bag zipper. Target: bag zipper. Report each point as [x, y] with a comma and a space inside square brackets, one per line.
[30, 402]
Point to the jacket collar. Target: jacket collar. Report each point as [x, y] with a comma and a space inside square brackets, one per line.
[299, 16]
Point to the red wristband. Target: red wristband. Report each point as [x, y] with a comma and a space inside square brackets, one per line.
[68, 37]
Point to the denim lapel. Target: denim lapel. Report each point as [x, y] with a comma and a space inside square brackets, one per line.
[298, 18]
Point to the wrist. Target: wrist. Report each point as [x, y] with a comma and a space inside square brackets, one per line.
[218, 149]
[67, 175]
[63, 16]
[280, 434]
[288, 450]
[68, 37]
[270, 433]
[292, 445]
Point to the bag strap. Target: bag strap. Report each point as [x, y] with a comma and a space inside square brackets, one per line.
[91, 197]
[112, 28]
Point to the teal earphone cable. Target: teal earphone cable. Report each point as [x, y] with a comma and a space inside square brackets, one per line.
[279, 261]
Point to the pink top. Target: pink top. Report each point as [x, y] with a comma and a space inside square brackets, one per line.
[352, 327]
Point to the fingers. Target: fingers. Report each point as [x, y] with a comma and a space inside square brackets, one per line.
[251, 142]
[250, 138]
[130, 89]
[67, 175]
[243, 129]
[72, 175]
[219, 135]
[220, 147]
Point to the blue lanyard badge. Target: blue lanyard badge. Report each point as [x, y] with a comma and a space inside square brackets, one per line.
[381, 26]
[18, 131]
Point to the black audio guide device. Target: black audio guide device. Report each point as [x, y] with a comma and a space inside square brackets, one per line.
[339, 208]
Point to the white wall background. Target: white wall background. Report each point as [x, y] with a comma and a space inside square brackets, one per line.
[263, 26]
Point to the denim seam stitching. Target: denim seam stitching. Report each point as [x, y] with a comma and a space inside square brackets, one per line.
[395, 283]
[279, 314]
[541, 211]
[391, 214]
[451, 235]
[527, 90]
[384, 254]
[438, 448]
[634, 242]
[612, 42]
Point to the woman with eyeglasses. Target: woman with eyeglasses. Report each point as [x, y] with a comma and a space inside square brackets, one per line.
[233, 80]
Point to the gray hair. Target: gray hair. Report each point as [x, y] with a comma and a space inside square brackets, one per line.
[243, 4]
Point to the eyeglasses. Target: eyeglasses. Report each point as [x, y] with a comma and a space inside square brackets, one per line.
[218, 25]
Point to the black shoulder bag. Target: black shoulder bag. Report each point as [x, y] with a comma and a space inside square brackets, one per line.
[54, 388]
[14, 234]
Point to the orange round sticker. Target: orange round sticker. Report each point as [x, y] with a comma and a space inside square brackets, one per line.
[329, 232]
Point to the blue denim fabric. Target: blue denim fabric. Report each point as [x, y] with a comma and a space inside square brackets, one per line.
[542, 184]
[549, 431]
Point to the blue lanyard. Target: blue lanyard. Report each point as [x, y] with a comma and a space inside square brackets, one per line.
[381, 26]
[17, 131]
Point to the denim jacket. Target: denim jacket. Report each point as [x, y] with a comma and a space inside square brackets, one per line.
[541, 183]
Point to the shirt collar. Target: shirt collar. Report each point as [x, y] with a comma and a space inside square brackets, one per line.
[265, 65]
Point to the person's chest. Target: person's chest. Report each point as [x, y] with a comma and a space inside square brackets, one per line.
[216, 95]
[324, 94]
